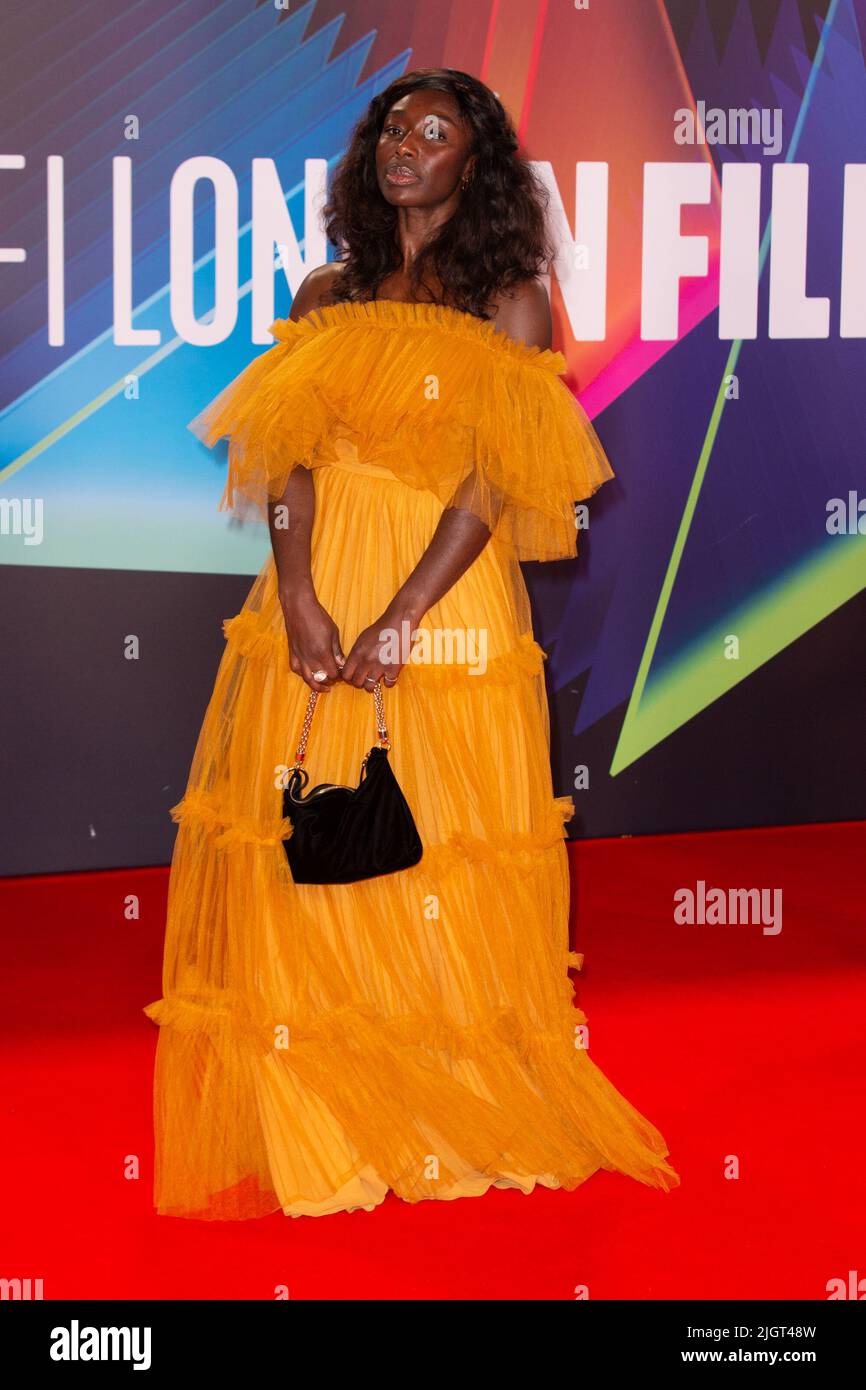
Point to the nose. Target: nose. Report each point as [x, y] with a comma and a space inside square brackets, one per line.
[407, 145]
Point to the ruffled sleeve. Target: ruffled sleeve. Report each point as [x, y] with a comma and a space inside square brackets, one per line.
[444, 400]
[248, 412]
[534, 454]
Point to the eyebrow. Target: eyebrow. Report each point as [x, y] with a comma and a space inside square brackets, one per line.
[440, 116]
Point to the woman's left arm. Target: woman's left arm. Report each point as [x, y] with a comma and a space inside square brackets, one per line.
[458, 539]
[460, 536]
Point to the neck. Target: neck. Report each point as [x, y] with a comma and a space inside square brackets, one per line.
[417, 226]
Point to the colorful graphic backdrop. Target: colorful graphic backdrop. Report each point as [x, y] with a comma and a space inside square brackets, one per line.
[727, 454]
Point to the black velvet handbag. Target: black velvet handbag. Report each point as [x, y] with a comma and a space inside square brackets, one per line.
[344, 834]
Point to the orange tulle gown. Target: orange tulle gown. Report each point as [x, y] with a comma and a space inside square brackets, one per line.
[321, 1045]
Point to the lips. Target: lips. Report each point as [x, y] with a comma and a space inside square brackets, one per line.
[400, 173]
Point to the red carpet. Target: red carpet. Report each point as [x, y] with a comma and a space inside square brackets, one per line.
[731, 1041]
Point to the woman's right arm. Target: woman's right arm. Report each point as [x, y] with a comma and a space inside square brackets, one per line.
[314, 639]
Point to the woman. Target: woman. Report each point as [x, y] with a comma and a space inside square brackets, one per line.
[409, 441]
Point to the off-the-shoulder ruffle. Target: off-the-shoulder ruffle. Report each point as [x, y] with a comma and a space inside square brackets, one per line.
[446, 401]
[391, 313]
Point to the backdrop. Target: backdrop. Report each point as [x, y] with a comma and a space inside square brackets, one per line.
[160, 171]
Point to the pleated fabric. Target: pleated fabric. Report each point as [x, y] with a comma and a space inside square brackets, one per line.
[444, 400]
[320, 1045]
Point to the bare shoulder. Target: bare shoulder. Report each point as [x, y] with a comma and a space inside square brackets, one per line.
[524, 314]
[315, 289]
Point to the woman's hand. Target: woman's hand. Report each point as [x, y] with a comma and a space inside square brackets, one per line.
[381, 650]
[314, 639]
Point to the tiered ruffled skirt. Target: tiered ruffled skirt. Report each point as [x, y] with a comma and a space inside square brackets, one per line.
[320, 1045]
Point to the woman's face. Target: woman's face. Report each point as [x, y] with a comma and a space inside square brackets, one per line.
[423, 150]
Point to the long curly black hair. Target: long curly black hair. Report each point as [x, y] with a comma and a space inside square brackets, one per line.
[495, 239]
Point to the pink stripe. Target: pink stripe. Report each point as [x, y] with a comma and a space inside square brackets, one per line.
[488, 42]
[532, 70]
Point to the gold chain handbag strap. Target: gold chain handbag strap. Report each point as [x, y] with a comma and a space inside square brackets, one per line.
[384, 739]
